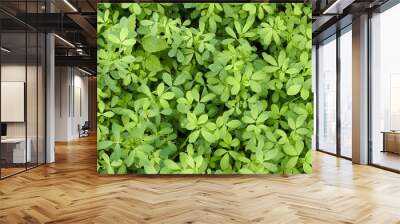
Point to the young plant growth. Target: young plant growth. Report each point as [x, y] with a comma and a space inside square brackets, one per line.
[204, 88]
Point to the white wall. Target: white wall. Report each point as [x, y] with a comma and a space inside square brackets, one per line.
[79, 117]
[70, 83]
[62, 82]
[14, 72]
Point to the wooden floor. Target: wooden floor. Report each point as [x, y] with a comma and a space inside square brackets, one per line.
[70, 191]
[5, 172]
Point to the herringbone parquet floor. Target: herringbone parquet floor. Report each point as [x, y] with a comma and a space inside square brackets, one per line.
[70, 191]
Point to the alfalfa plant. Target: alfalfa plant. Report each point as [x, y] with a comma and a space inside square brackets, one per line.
[204, 88]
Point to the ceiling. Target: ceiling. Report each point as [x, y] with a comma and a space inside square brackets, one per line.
[74, 22]
[332, 15]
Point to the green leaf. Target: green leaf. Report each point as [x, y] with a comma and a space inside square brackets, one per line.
[145, 148]
[292, 71]
[251, 8]
[198, 161]
[303, 131]
[116, 163]
[125, 5]
[247, 119]
[258, 76]
[194, 136]
[235, 89]
[109, 114]
[292, 123]
[262, 117]
[293, 89]
[129, 42]
[192, 118]
[270, 69]
[202, 119]
[167, 79]
[271, 154]
[207, 97]
[230, 32]
[255, 86]
[300, 120]
[153, 44]
[149, 169]
[225, 165]
[105, 158]
[249, 23]
[268, 58]
[171, 165]
[101, 106]
[211, 126]
[123, 34]
[231, 81]
[271, 167]
[270, 136]
[233, 124]
[299, 146]
[208, 136]
[131, 159]
[136, 8]
[152, 63]
[160, 89]
[104, 144]
[304, 94]
[289, 150]
[188, 160]
[114, 39]
[281, 57]
[146, 22]
[291, 163]
[307, 168]
[238, 27]
[168, 95]
[180, 79]
[245, 171]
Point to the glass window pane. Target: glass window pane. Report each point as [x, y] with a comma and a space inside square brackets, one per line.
[32, 96]
[22, 89]
[346, 94]
[41, 98]
[15, 151]
[314, 84]
[385, 89]
[327, 96]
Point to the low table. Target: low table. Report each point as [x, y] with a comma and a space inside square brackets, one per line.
[391, 141]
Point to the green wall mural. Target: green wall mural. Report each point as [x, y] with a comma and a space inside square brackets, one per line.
[204, 88]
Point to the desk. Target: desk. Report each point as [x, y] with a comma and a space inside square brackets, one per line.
[391, 141]
[17, 150]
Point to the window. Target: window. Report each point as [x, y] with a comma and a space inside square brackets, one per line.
[22, 101]
[385, 89]
[346, 93]
[327, 96]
